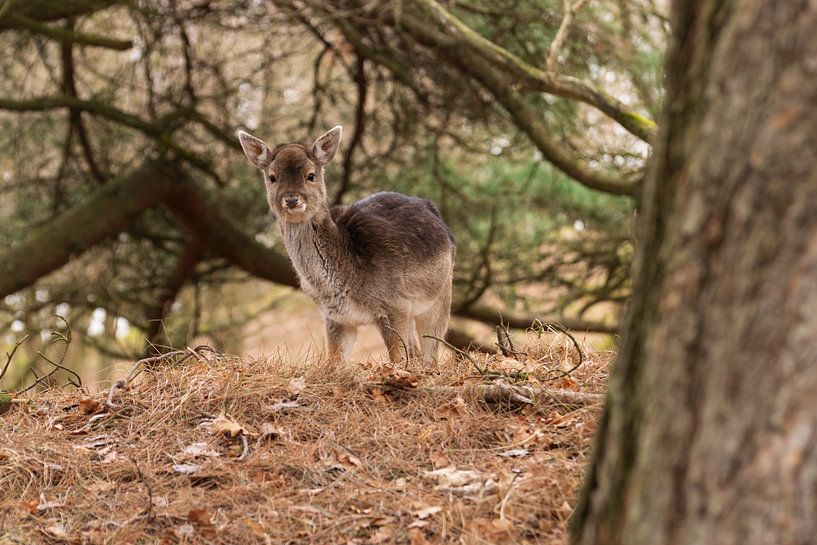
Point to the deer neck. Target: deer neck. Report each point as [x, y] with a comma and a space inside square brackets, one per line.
[314, 248]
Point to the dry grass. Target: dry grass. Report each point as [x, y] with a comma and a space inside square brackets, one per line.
[343, 463]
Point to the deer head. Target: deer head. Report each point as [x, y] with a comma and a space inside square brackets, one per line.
[293, 173]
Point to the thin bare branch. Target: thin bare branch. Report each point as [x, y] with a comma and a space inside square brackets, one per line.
[534, 78]
[18, 20]
[570, 8]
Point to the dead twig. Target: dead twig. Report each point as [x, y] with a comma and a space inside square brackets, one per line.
[561, 35]
[505, 343]
[245, 448]
[481, 370]
[10, 356]
[185, 354]
[114, 387]
[555, 327]
[57, 365]
[77, 384]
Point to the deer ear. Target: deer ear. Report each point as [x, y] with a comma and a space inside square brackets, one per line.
[325, 147]
[255, 149]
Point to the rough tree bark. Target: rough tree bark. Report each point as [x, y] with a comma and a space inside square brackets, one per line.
[710, 431]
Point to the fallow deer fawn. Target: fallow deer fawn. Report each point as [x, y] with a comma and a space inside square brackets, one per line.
[385, 260]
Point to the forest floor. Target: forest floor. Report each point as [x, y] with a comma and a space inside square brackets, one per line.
[213, 449]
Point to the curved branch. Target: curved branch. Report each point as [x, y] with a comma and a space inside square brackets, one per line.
[540, 80]
[525, 117]
[203, 213]
[17, 20]
[105, 213]
[155, 131]
[116, 205]
[53, 10]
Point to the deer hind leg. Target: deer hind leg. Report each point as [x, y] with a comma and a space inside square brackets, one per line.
[341, 339]
[397, 333]
[433, 323]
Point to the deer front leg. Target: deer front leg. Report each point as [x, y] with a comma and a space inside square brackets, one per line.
[396, 331]
[341, 339]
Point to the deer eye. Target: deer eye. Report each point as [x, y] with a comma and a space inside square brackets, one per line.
[272, 178]
[311, 177]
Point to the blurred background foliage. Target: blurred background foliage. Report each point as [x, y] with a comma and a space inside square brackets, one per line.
[526, 121]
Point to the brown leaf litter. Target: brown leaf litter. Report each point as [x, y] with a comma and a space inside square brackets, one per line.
[217, 450]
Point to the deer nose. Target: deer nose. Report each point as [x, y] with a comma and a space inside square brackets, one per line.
[292, 201]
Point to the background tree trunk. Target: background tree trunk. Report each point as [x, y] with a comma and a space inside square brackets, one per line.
[710, 432]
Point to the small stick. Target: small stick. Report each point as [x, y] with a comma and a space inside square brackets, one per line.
[481, 370]
[505, 343]
[570, 10]
[58, 337]
[77, 384]
[10, 355]
[187, 353]
[559, 328]
[114, 387]
[245, 448]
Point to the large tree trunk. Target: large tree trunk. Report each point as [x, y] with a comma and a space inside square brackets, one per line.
[710, 433]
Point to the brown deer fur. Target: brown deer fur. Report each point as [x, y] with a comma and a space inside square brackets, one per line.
[386, 260]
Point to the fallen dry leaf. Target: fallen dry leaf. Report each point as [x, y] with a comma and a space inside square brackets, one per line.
[195, 450]
[378, 397]
[284, 405]
[567, 383]
[400, 378]
[451, 476]
[457, 407]
[256, 529]
[510, 365]
[438, 459]
[269, 431]
[185, 469]
[382, 535]
[224, 425]
[417, 537]
[496, 530]
[89, 406]
[30, 506]
[296, 385]
[462, 482]
[200, 517]
[346, 459]
[427, 511]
